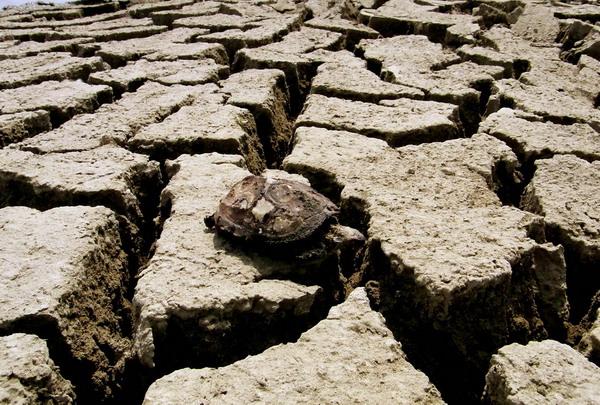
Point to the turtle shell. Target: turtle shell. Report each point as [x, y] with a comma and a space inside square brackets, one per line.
[272, 210]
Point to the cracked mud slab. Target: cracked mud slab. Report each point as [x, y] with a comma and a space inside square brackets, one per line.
[266, 32]
[459, 34]
[446, 175]
[264, 92]
[307, 40]
[218, 22]
[117, 122]
[483, 247]
[561, 374]
[186, 72]
[532, 139]
[578, 82]
[401, 17]
[30, 48]
[578, 11]
[298, 56]
[69, 296]
[397, 202]
[398, 122]
[488, 56]
[112, 30]
[461, 175]
[579, 40]
[166, 17]
[552, 106]
[207, 125]
[18, 126]
[108, 176]
[199, 50]
[571, 212]
[589, 345]
[62, 99]
[27, 373]
[549, 84]
[435, 70]
[354, 31]
[537, 24]
[589, 63]
[332, 80]
[168, 45]
[308, 370]
[47, 66]
[572, 219]
[142, 10]
[456, 270]
[53, 17]
[397, 53]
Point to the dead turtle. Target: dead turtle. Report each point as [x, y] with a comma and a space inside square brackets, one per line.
[285, 214]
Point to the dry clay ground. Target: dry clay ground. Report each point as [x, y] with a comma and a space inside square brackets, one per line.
[460, 136]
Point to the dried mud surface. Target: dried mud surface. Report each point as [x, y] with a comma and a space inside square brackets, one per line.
[462, 138]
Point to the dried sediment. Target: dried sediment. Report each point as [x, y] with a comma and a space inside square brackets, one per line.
[115, 123]
[207, 125]
[295, 56]
[398, 121]
[442, 246]
[46, 66]
[78, 305]
[309, 369]
[188, 72]
[62, 100]
[145, 114]
[332, 80]
[18, 126]
[265, 94]
[168, 45]
[561, 375]
[401, 17]
[572, 219]
[533, 139]
[436, 71]
[589, 345]
[19, 49]
[28, 374]
[108, 176]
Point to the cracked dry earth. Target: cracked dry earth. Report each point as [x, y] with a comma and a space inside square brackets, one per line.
[460, 136]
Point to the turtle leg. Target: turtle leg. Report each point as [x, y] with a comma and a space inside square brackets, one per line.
[349, 244]
[343, 236]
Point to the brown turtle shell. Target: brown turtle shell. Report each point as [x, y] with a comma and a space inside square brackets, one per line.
[272, 210]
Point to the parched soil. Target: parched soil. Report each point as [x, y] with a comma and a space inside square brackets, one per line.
[461, 138]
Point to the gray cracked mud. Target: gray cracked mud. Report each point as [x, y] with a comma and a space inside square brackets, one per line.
[460, 138]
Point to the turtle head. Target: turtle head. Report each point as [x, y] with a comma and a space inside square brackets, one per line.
[209, 221]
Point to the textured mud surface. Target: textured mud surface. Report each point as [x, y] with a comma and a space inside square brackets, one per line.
[462, 138]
